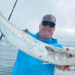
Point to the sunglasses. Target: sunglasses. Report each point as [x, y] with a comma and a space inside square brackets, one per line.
[47, 23]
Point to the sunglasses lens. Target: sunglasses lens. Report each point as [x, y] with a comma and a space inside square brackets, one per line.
[52, 25]
[44, 23]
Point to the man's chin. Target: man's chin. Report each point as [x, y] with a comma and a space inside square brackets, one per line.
[46, 37]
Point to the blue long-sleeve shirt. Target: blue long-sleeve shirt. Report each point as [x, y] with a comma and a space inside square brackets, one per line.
[28, 65]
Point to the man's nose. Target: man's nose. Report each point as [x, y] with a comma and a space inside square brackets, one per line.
[47, 26]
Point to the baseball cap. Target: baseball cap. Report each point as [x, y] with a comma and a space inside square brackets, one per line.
[50, 18]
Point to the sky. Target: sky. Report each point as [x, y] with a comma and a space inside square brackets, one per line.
[28, 14]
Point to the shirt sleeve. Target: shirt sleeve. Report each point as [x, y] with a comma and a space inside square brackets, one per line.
[57, 44]
[33, 35]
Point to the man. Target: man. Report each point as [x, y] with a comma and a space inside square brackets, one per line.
[28, 65]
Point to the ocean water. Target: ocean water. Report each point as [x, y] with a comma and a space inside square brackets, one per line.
[8, 55]
[7, 58]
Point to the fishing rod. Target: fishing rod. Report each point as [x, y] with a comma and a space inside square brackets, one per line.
[12, 10]
[9, 17]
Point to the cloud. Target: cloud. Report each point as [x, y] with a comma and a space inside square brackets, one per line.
[65, 13]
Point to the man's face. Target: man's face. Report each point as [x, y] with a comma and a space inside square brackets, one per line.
[46, 32]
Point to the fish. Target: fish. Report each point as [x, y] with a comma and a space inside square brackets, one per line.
[35, 48]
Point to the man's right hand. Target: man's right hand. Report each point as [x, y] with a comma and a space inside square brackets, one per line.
[64, 68]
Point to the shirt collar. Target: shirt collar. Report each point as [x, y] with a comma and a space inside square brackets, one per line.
[46, 41]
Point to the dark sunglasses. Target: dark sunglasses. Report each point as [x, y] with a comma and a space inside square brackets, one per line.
[47, 23]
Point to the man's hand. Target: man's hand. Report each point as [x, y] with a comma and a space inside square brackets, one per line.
[65, 67]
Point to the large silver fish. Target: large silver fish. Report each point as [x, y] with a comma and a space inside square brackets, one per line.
[35, 48]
